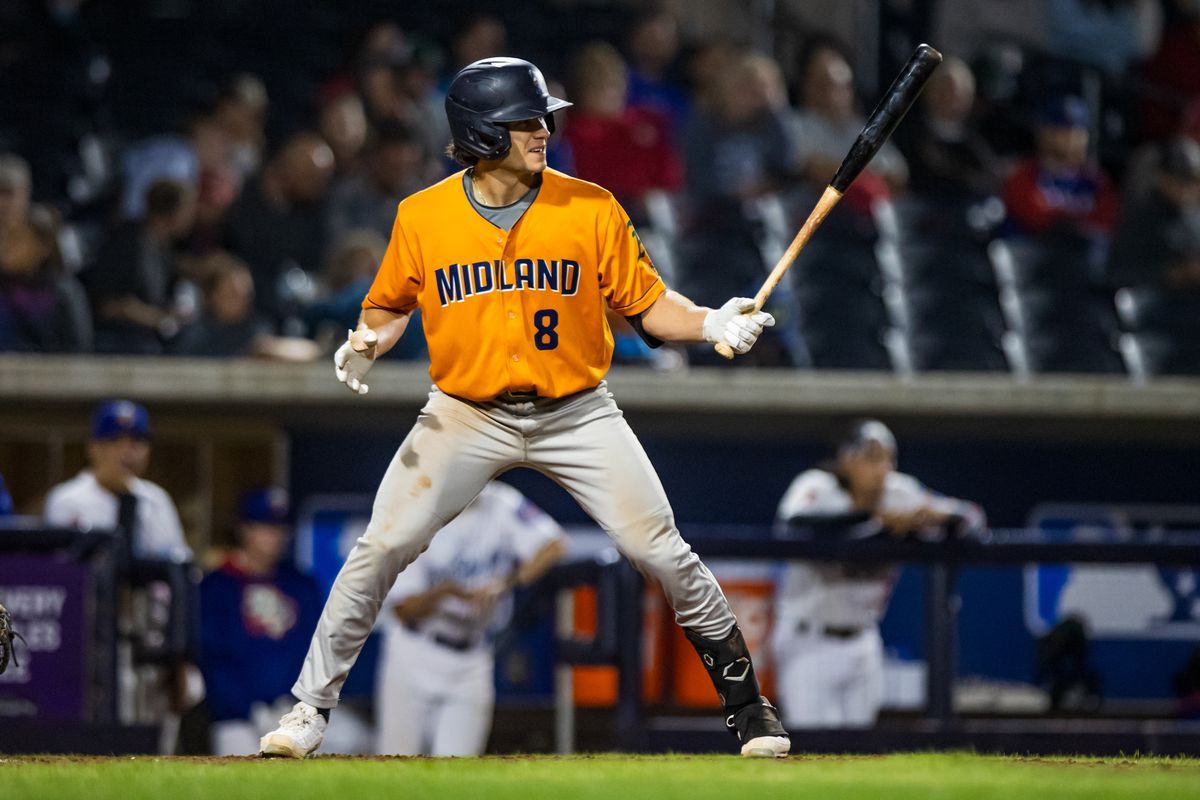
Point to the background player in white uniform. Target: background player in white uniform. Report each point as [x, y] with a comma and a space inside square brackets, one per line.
[112, 495]
[828, 652]
[513, 266]
[118, 454]
[435, 689]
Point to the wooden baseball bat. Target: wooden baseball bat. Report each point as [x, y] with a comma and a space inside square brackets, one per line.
[879, 127]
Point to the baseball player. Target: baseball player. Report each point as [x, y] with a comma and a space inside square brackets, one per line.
[512, 265]
[827, 647]
[435, 688]
[111, 493]
[256, 614]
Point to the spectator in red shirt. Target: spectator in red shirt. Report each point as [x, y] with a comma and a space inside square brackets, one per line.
[627, 149]
[1061, 190]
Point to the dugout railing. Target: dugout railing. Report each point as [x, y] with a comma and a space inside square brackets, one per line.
[80, 600]
[636, 728]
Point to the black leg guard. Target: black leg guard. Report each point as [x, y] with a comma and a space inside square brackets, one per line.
[748, 715]
[728, 663]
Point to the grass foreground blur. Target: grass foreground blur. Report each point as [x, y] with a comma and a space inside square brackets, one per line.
[605, 777]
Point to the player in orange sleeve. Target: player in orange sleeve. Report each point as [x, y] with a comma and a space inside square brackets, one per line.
[513, 265]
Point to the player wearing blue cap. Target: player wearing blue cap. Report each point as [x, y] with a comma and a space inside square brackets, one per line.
[257, 612]
[111, 492]
[111, 495]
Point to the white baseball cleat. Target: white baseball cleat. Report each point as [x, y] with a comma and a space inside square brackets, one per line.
[767, 747]
[298, 736]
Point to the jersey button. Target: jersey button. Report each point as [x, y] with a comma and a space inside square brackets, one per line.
[516, 357]
[512, 315]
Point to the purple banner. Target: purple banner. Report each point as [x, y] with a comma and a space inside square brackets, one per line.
[47, 597]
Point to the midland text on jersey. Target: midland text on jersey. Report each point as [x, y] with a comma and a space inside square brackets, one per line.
[459, 282]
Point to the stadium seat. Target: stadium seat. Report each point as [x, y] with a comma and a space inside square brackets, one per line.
[940, 287]
[971, 312]
[1052, 312]
[841, 309]
[1056, 263]
[1148, 308]
[834, 262]
[934, 353]
[1065, 335]
[1058, 317]
[1162, 331]
[835, 350]
[952, 264]
[1070, 353]
[914, 218]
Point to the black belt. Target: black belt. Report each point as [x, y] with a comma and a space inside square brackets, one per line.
[530, 395]
[459, 645]
[832, 631]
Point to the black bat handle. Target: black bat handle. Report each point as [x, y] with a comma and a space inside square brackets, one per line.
[887, 114]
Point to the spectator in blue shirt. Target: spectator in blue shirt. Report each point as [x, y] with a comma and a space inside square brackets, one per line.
[653, 51]
[257, 613]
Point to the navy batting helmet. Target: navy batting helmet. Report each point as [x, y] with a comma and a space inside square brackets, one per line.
[488, 93]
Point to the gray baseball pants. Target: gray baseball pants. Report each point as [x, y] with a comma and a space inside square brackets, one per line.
[582, 442]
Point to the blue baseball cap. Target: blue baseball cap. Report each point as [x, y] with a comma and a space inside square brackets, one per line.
[1065, 111]
[270, 506]
[117, 418]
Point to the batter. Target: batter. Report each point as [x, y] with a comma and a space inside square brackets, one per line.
[512, 265]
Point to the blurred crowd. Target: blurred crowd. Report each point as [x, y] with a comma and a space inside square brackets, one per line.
[1039, 211]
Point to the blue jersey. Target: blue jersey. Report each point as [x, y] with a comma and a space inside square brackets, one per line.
[255, 631]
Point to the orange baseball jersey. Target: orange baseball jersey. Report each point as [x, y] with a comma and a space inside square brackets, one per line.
[522, 310]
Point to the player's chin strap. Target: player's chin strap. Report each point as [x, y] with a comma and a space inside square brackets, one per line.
[730, 668]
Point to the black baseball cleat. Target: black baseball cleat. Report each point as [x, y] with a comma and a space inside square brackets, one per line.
[759, 730]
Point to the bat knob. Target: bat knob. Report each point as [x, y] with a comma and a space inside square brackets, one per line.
[725, 350]
[929, 53]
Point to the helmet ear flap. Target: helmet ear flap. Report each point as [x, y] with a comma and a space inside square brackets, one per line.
[477, 136]
[493, 138]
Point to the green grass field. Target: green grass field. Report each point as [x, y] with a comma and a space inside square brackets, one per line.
[610, 777]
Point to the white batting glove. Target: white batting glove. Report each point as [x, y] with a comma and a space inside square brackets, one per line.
[351, 363]
[737, 324]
